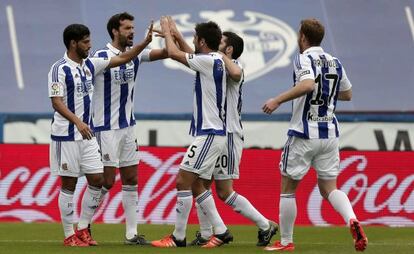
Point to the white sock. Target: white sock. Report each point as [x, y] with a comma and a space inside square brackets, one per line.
[206, 229]
[130, 204]
[65, 202]
[183, 208]
[287, 216]
[241, 205]
[340, 201]
[90, 202]
[206, 202]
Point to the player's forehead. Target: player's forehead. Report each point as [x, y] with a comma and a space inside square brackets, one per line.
[126, 23]
[86, 39]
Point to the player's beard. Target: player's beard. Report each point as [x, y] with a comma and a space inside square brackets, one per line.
[126, 41]
[196, 49]
[82, 53]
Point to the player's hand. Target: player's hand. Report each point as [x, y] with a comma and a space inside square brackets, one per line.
[158, 32]
[84, 130]
[270, 106]
[165, 27]
[148, 38]
[173, 27]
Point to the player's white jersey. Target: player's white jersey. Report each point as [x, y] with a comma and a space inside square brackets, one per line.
[314, 114]
[234, 104]
[74, 83]
[113, 98]
[209, 94]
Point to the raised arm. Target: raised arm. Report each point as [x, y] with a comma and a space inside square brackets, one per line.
[133, 52]
[302, 88]
[179, 37]
[234, 71]
[157, 54]
[172, 50]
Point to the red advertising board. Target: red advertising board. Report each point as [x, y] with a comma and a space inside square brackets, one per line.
[380, 186]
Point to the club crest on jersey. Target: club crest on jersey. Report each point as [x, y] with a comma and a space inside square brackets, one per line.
[106, 157]
[65, 166]
[268, 42]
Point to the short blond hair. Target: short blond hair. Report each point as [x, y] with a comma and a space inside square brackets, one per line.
[313, 31]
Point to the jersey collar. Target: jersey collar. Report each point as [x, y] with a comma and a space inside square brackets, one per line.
[313, 49]
[113, 49]
[73, 63]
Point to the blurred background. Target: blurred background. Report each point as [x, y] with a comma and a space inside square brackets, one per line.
[374, 39]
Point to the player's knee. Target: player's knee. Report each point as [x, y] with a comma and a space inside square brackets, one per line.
[324, 193]
[96, 181]
[130, 180]
[108, 183]
[180, 184]
[223, 194]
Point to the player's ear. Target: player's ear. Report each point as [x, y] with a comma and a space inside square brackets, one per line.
[115, 32]
[229, 50]
[72, 44]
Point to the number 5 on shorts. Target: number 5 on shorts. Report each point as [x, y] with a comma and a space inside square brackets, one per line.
[192, 152]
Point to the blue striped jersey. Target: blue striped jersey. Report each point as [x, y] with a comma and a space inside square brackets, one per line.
[74, 83]
[313, 115]
[113, 98]
[209, 94]
[234, 104]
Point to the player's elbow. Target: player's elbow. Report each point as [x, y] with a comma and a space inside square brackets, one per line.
[345, 95]
[235, 77]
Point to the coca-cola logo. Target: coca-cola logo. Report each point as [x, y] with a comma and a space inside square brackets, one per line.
[380, 187]
[34, 191]
[387, 200]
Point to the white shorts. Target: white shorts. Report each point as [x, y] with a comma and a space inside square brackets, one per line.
[300, 154]
[75, 158]
[202, 154]
[119, 148]
[227, 164]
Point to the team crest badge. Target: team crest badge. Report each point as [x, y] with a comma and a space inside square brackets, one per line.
[268, 42]
[65, 166]
[106, 157]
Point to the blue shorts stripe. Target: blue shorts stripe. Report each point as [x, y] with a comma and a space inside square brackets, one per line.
[286, 153]
[231, 154]
[204, 151]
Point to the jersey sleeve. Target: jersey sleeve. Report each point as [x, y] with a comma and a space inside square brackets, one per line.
[56, 82]
[345, 84]
[199, 63]
[99, 63]
[303, 68]
[144, 56]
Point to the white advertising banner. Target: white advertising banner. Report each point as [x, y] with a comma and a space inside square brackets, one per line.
[258, 134]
